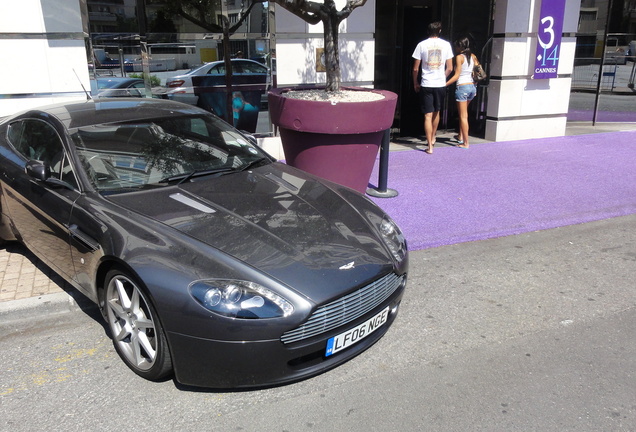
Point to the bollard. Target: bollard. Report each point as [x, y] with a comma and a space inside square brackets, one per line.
[381, 191]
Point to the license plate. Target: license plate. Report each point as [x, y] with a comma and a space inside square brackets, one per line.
[356, 334]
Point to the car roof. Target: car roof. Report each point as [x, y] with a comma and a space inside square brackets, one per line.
[217, 62]
[104, 111]
[108, 83]
[118, 79]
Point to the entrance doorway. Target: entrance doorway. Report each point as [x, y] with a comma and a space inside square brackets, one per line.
[414, 30]
[400, 26]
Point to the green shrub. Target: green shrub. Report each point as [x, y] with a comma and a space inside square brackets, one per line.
[155, 81]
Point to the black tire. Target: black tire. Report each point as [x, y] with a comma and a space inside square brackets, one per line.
[135, 328]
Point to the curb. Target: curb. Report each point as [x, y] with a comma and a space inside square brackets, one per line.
[42, 306]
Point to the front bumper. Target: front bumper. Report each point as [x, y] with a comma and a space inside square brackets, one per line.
[250, 364]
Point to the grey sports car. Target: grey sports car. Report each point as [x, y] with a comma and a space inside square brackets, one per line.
[207, 258]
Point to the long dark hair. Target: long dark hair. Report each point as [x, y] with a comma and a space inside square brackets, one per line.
[462, 46]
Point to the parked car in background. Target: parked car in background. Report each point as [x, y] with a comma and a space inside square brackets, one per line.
[207, 258]
[118, 87]
[211, 76]
[206, 88]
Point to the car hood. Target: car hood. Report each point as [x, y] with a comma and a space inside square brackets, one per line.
[313, 238]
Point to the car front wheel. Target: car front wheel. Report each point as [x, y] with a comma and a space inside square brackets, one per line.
[135, 328]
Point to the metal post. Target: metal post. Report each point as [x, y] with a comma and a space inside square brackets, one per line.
[381, 191]
[122, 69]
[600, 72]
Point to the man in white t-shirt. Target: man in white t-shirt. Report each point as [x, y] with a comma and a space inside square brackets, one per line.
[435, 56]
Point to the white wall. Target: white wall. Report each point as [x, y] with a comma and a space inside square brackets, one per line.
[41, 45]
[520, 107]
[296, 43]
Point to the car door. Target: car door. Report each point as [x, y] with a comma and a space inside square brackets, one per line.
[40, 211]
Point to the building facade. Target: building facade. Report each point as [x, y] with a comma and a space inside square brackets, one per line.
[51, 49]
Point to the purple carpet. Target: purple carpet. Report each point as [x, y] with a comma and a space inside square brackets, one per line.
[499, 189]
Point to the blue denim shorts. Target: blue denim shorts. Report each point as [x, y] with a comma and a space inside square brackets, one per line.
[465, 93]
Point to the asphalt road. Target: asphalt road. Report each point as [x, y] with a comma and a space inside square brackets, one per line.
[533, 332]
[607, 102]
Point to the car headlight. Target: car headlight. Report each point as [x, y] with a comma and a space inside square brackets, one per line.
[240, 299]
[393, 238]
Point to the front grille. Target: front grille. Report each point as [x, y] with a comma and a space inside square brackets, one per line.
[345, 309]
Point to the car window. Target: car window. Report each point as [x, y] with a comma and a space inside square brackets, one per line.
[14, 141]
[218, 69]
[135, 155]
[64, 171]
[37, 140]
[237, 67]
[137, 89]
[253, 68]
[103, 84]
[15, 135]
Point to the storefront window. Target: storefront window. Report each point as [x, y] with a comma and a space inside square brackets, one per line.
[175, 37]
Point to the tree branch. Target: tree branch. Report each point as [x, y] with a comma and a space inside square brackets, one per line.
[309, 11]
[179, 7]
[348, 8]
[244, 16]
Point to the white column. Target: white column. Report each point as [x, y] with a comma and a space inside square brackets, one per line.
[520, 107]
[41, 50]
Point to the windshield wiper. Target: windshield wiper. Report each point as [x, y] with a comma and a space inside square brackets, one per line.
[254, 164]
[182, 178]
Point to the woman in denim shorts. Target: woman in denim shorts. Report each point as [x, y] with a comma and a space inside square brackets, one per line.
[466, 89]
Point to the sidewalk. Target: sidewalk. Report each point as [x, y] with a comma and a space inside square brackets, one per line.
[22, 275]
[28, 288]
[505, 188]
[26, 283]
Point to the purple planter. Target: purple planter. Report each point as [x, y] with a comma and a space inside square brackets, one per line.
[338, 142]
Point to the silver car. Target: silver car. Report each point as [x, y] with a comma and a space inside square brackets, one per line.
[210, 78]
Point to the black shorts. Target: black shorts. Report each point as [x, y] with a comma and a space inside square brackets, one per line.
[432, 99]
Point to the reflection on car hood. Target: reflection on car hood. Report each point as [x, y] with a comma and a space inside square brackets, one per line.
[278, 220]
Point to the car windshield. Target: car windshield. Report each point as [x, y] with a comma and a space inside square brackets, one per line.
[147, 154]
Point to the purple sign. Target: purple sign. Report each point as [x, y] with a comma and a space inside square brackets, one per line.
[549, 39]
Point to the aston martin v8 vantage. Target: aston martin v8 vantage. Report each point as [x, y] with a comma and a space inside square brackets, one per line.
[210, 261]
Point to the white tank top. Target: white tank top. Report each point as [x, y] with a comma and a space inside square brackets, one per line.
[466, 74]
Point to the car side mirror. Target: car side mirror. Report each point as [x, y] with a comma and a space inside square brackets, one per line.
[41, 171]
[38, 170]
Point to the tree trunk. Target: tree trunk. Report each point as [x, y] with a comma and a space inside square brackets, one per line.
[332, 56]
[314, 12]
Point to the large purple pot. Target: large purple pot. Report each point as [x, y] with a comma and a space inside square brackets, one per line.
[338, 142]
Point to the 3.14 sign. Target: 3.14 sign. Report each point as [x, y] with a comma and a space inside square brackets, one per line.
[549, 34]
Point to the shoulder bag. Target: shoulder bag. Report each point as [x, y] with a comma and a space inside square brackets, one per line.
[478, 72]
